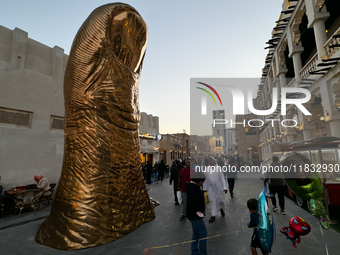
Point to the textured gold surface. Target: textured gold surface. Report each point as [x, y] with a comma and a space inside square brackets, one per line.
[101, 194]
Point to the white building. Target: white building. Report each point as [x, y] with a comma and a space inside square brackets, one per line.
[231, 138]
[219, 132]
[303, 53]
[216, 145]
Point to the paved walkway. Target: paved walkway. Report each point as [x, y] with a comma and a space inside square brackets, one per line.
[18, 233]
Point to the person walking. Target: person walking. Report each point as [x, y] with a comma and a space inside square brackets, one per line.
[216, 187]
[183, 178]
[196, 212]
[232, 175]
[161, 170]
[276, 185]
[155, 167]
[176, 168]
[148, 172]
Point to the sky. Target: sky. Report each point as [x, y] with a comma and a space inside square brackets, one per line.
[187, 39]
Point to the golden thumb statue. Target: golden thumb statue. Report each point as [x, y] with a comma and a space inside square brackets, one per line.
[101, 194]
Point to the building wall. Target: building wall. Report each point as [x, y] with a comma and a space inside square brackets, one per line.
[199, 146]
[247, 137]
[185, 143]
[31, 108]
[149, 147]
[303, 46]
[171, 148]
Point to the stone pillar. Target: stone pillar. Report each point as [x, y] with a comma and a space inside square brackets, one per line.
[281, 70]
[278, 86]
[320, 38]
[297, 65]
[270, 133]
[270, 150]
[283, 80]
[316, 20]
[295, 53]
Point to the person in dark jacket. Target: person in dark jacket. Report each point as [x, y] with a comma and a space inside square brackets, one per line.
[276, 184]
[195, 213]
[231, 176]
[148, 172]
[174, 178]
[161, 170]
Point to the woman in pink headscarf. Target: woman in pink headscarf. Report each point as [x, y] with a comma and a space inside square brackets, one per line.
[43, 185]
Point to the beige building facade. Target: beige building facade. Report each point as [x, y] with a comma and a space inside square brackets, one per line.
[303, 54]
[173, 147]
[31, 108]
[199, 146]
[149, 138]
[247, 138]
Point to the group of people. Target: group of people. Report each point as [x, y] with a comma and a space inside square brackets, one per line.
[215, 184]
[276, 185]
[160, 169]
[193, 184]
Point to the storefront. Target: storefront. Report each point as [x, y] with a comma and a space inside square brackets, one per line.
[149, 146]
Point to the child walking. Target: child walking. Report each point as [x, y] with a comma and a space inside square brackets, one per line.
[254, 223]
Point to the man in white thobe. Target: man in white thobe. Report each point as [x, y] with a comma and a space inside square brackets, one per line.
[216, 187]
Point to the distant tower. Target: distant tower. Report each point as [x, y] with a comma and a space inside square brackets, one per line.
[220, 130]
[231, 138]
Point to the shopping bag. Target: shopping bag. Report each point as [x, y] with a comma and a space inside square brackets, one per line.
[179, 197]
[156, 178]
[206, 197]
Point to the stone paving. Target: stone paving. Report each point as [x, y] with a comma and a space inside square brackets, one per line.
[18, 233]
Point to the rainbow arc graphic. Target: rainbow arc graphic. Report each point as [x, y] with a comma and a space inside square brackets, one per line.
[204, 100]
